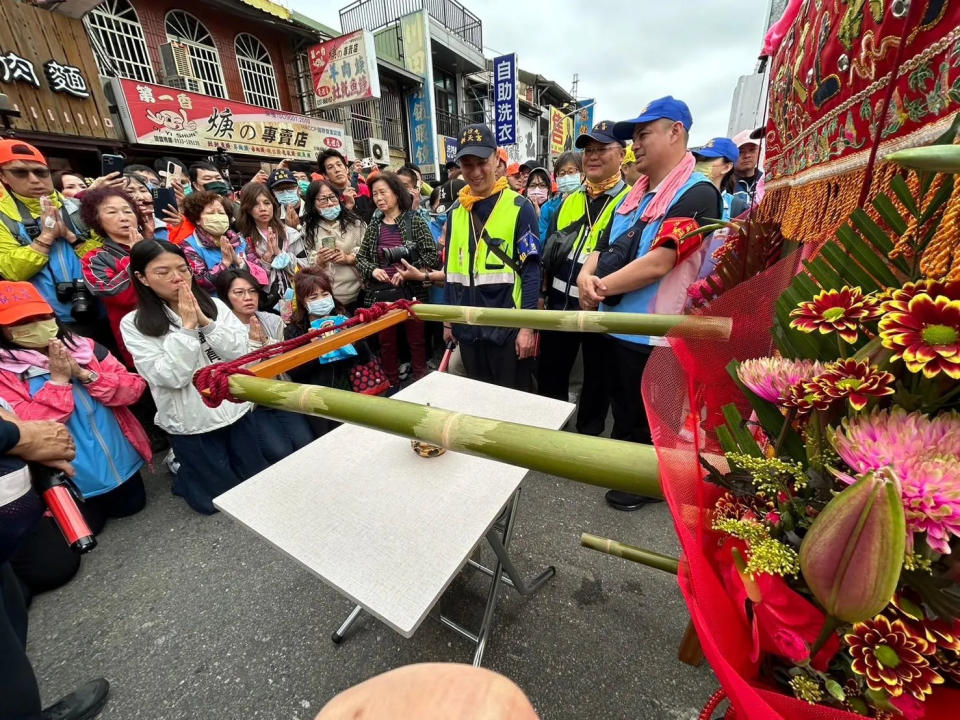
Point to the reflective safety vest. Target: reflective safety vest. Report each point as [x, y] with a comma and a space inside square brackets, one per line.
[498, 284]
[575, 207]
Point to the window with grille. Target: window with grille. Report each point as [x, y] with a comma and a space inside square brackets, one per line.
[184, 27]
[256, 72]
[445, 86]
[115, 31]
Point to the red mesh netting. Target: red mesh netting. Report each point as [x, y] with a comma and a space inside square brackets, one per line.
[692, 374]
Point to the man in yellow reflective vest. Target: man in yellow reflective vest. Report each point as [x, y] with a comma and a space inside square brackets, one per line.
[492, 260]
[583, 218]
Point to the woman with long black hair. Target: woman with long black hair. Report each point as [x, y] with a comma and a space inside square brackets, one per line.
[332, 235]
[177, 329]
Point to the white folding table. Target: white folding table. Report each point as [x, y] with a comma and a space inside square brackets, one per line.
[389, 529]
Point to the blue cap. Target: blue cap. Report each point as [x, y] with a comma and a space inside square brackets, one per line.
[602, 132]
[668, 108]
[280, 176]
[718, 147]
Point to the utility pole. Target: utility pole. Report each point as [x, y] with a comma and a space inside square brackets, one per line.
[576, 83]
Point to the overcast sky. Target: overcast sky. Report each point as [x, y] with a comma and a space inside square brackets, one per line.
[626, 53]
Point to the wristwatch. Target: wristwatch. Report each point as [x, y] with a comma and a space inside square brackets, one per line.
[91, 378]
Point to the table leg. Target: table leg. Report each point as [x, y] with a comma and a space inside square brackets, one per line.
[338, 634]
[500, 544]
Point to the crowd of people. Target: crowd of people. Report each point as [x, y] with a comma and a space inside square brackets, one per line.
[109, 305]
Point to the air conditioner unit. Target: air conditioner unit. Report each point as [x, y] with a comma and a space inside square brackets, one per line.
[379, 150]
[176, 60]
[190, 84]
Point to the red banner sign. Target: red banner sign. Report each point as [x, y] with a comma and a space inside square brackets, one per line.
[159, 115]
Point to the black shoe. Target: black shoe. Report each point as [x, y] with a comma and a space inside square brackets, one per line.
[628, 501]
[84, 703]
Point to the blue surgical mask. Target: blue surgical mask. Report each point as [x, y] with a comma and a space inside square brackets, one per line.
[287, 197]
[330, 213]
[321, 307]
[568, 183]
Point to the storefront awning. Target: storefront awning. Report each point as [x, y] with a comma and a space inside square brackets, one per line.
[269, 7]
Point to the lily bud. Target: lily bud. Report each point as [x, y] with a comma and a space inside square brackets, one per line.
[936, 158]
[853, 552]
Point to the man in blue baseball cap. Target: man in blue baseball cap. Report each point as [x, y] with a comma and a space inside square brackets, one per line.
[650, 260]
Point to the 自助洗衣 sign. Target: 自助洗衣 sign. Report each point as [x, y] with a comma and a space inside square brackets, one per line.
[159, 115]
[417, 58]
[505, 106]
[344, 70]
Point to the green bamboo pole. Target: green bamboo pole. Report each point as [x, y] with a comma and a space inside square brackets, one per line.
[614, 464]
[630, 552]
[690, 326]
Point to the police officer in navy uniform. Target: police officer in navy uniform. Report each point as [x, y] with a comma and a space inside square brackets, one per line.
[492, 260]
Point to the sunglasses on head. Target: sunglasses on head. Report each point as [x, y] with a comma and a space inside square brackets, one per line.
[23, 173]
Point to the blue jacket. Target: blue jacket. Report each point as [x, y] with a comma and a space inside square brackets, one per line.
[548, 213]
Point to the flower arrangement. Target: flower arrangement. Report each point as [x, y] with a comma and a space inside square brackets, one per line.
[839, 512]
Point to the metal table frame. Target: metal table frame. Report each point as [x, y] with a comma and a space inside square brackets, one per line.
[499, 537]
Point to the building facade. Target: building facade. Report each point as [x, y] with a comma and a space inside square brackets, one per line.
[51, 90]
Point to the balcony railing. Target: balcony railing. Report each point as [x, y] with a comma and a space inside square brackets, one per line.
[450, 124]
[375, 14]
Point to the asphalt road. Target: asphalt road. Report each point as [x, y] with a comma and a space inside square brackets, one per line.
[194, 617]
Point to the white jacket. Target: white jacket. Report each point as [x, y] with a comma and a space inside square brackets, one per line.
[168, 363]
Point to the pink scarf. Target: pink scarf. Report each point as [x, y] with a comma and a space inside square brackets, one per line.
[665, 193]
[20, 361]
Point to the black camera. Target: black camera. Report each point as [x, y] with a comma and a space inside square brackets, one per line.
[222, 160]
[76, 293]
[393, 255]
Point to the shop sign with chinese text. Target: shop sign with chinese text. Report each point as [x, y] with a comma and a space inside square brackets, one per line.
[505, 98]
[561, 131]
[54, 83]
[344, 69]
[159, 115]
[417, 58]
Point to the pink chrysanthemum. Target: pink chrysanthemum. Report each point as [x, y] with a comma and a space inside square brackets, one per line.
[769, 377]
[924, 453]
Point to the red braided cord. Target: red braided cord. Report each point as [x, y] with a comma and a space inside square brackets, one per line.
[213, 381]
[712, 704]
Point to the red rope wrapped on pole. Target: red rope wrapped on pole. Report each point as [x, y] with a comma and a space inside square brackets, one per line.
[213, 381]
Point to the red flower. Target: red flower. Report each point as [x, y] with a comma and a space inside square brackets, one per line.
[805, 397]
[891, 658]
[842, 311]
[897, 299]
[926, 335]
[858, 381]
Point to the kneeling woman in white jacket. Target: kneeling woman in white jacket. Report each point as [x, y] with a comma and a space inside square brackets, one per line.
[176, 330]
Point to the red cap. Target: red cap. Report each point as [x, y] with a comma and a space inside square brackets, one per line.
[12, 149]
[513, 169]
[502, 155]
[19, 300]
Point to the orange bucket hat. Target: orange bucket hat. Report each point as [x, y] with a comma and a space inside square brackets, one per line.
[12, 149]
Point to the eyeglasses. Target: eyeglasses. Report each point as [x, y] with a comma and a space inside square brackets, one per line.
[598, 150]
[570, 171]
[327, 200]
[242, 293]
[24, 173]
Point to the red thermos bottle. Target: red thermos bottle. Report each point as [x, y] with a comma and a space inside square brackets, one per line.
[57, 492]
